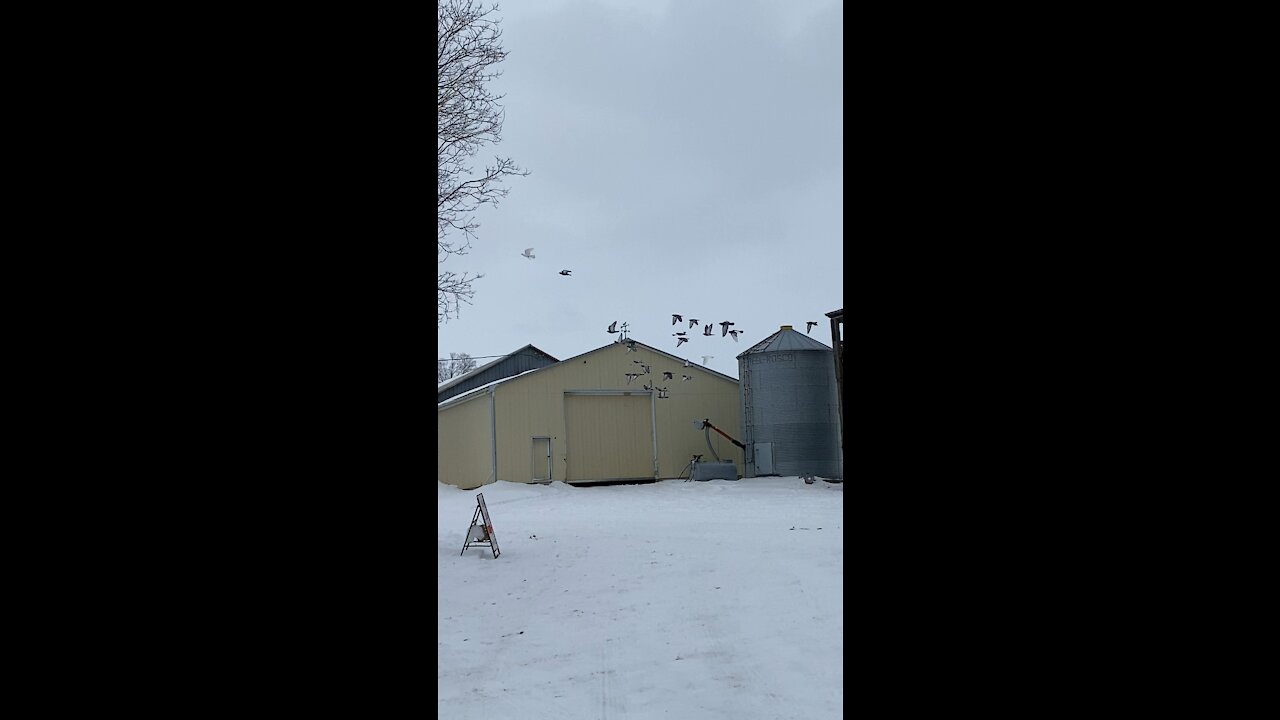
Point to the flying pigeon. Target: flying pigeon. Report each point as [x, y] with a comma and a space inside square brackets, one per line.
[631, 346]
[809, 326]
[613, 327]
[707, 330]
[528, 252]
[685, 378]
[632, 376]
[666, 375]
[734, 333]
[693, 322]
[681, 340]
[724, 328]
[705, 358]
[678, 334]
[687, 363]
[565, 272]
[647, 386]
[675, 318]
[643, 366]
[662, 393]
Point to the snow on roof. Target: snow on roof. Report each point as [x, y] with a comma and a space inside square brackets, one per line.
[473, 391]
[459, 378]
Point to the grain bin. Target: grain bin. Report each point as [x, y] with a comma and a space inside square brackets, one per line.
[790, 410]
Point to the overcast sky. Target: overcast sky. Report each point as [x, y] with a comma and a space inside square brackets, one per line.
[685, 157]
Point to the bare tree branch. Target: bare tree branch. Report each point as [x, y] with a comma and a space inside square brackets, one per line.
[457, 364]
[468, 49]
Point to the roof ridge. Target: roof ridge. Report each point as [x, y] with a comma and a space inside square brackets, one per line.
[786, 339]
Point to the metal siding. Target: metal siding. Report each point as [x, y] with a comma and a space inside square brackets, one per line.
[463, 448]
[705, 397]
[534, 405]
[529, 406]
[610, 437]
[789, 400]
[505, 368]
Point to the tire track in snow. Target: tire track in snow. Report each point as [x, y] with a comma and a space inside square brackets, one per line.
[609, 707]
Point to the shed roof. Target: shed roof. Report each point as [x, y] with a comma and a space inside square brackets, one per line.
[785, 339]
[481, 368]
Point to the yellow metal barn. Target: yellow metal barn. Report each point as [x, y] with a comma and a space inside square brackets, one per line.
[580, 420]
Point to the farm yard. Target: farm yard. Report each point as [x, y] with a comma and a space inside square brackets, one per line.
[673, 599]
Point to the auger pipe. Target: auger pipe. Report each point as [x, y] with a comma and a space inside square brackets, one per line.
[707, 424]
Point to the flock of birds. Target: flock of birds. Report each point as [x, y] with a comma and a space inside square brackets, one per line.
[647, 368]
[681, 337]
[675, 318]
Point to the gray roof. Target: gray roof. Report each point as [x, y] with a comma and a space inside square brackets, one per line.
[785, 339]
[532, 354]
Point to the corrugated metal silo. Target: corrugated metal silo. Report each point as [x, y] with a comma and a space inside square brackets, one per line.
[790, 407]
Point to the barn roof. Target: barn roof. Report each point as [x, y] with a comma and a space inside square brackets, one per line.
[481, 368]
[471, 393]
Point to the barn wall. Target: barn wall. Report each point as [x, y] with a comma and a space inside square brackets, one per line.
[534, 405]
[464, 452]
[525, 410]
[706, 396]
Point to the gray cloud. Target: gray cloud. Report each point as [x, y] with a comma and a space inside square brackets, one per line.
[688, 159]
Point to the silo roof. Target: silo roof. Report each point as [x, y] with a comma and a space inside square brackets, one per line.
[785, 339]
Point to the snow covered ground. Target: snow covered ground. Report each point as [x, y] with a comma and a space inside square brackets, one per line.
[688, 600]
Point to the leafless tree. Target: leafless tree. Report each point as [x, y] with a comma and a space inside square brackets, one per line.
[468, 49]
[457, 364]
